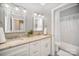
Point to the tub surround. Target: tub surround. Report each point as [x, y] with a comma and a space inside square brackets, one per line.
[21, 40]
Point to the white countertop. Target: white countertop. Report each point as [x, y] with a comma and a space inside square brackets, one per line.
[22, 40]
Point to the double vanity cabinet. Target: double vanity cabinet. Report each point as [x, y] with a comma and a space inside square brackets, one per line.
[36, 47]
[15, 22]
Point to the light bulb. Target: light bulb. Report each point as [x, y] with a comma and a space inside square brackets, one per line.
[17, 8]
[24, 11]
[35, 14]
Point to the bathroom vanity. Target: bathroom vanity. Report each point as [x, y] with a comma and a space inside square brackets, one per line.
[20, 45]
[39, 45]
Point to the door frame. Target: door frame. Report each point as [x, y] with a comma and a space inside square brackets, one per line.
[59, 8]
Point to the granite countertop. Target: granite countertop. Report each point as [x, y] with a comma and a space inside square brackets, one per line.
[21, 40]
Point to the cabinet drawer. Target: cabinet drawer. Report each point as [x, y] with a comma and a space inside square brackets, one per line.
[15, 50]
[35, 45]
[35, 48]
[35, 52]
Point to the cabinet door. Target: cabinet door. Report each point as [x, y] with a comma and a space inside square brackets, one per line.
[45, 47]
[35, 48]
[22, 50]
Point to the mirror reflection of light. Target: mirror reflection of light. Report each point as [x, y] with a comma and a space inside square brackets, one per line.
[16, 8]
[24, 11]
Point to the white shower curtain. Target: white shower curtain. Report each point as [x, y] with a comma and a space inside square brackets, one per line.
[69, 28]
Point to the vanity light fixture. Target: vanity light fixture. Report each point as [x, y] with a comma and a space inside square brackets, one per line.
[6, 5]
[16, 8]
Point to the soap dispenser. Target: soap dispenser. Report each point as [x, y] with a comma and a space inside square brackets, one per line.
[45, 30]
[2, 36]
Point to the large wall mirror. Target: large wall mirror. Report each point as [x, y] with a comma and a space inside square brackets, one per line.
[38, 22]
[14, 18]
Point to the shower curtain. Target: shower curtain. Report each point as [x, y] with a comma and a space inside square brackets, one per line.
[69, 33]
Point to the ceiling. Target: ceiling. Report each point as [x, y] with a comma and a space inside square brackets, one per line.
[37, 7]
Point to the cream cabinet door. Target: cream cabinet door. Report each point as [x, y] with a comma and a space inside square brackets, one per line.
[35, 48]
[22, 50]
[45, 47]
